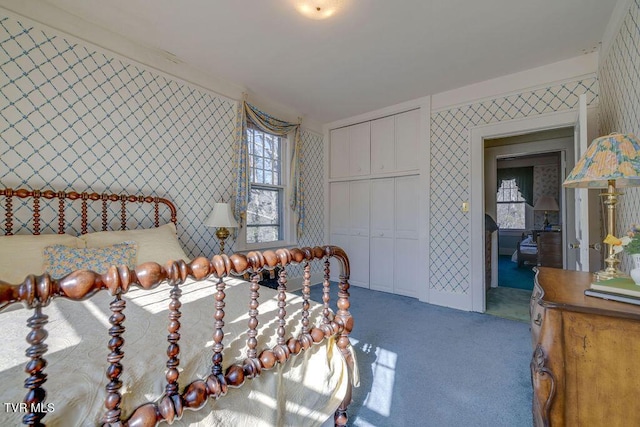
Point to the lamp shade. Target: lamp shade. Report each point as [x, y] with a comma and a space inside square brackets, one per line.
[612, 157]
[221, 216]
[546, 203]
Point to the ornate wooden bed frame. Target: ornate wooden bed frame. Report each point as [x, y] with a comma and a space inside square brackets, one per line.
[36, 292]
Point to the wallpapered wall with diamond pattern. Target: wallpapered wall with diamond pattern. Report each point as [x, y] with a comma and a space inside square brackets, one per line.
[619, 76]
[545, 183]
[450, 168]
[312, 177]
[75, 118]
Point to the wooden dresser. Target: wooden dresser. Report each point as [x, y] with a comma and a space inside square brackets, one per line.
[585, 368]
[549, 248]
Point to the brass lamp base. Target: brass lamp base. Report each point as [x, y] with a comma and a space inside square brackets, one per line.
[222, 233]
[607, 274]
[611, 271]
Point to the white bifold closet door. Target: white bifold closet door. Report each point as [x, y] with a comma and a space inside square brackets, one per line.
[349, 227]
[394, 235]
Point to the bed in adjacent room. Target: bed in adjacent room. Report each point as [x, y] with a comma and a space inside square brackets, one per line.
[526, 252]
[152, 333]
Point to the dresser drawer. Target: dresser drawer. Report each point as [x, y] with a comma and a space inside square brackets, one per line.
[550, 249]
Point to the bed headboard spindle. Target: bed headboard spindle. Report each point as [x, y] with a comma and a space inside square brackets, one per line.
[83, 227]
[63, 220]
[61, 196]
[104, 198]
[36, 212]
[8, 227]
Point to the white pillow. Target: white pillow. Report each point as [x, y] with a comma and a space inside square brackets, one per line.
[154, 244]
[22, 255]
[528, 241]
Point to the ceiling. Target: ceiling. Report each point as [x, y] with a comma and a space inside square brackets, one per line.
[371, 54]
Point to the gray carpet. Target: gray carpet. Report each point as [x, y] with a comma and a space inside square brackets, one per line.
[425, 365]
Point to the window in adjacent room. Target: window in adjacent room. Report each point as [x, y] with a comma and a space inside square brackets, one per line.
[511, 206]
[268, 213]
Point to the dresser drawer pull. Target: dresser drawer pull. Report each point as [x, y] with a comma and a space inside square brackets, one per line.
[538, 319]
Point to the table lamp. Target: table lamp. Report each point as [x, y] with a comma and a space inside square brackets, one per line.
[610, 161]
[546, 204]
[222, 218]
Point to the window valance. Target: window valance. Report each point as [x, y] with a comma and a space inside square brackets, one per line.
[524, 180]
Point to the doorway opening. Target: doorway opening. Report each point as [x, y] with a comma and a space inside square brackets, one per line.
[523, 193]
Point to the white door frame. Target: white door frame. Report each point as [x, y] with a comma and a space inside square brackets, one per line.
[476, 186]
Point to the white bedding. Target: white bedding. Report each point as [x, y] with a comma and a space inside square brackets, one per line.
[527, 246]
[305, 392]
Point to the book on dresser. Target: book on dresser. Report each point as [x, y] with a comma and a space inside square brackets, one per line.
[612, 296]
[617, 286]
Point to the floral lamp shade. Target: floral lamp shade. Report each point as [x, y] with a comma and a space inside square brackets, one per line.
[610, 161]
[611, 157]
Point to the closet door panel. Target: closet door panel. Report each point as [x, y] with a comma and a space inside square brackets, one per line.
[359, 149]
[383, 145]
[339, 153]
[407, 134]
[407, 207]
[359, 260]
[406, 267]
[382, 201]
[339, 208]
[381, 271]
[359, 208]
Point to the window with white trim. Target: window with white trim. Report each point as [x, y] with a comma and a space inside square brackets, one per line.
[268, 214]
[510, 206]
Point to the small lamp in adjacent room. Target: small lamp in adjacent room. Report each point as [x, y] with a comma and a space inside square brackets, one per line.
[546, 204]
[222, 218]
[610, 161]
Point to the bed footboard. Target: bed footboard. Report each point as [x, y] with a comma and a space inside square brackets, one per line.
[36, 292]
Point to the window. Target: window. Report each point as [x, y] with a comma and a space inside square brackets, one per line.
[265, 211]
[511, 206]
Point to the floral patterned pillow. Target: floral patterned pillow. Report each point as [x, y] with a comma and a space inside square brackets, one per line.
[60, 260]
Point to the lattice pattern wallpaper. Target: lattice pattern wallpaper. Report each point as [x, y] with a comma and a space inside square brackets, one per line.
[312, 177]
[619, 76]
[545, 183]
[450, 166]
[75, 118]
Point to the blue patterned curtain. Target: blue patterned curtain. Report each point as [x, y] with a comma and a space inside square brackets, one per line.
[269, 124]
